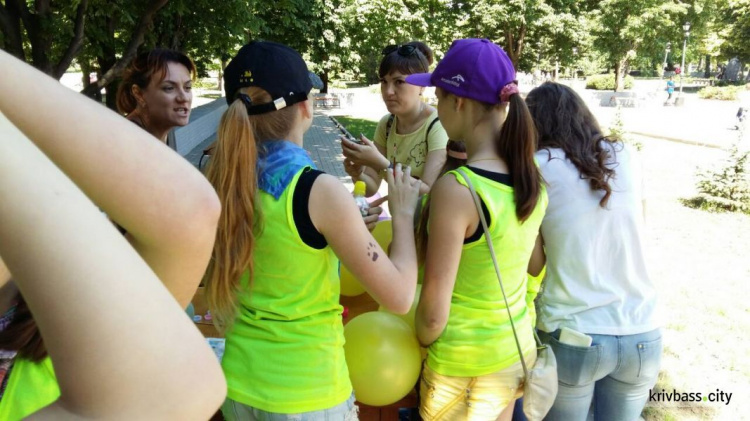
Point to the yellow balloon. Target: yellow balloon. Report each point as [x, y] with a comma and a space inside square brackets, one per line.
[408, 317]
[383, 356]
[350, 285]
[383, 234]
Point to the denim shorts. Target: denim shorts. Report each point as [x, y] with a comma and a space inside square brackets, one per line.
[235, 411]
[613, 375]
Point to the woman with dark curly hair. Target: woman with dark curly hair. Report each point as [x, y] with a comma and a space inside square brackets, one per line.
[597, 283]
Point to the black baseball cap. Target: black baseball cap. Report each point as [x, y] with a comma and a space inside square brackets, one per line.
[273, 67]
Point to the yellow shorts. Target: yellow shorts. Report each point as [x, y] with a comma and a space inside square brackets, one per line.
[470, 398]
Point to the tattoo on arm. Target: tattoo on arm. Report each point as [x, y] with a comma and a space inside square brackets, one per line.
[372, 254]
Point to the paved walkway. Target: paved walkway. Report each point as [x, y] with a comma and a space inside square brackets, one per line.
[321, 141]
[699, 121]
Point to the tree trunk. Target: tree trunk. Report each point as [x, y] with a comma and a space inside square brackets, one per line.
[557, 71]
[39, 39]
[514, 45]
[76, 43]
[221, 73]
[10, 26]
[130, 51]
[707, 72]
[618, 75]
[85, 73]
[324, 78]
[111, 92]
[86, 70]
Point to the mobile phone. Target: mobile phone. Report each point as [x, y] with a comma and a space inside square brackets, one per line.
[348, 136]
[575, 338]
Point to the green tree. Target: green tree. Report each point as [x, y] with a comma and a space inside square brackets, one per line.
[734, 16]
[509, 23]
[622, 27]
[113, 22]
[48, 35]
[373, 24]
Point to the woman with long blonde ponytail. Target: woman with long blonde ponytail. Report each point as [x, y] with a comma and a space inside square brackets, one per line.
[272, 283]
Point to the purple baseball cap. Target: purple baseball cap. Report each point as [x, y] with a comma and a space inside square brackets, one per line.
[472, 68]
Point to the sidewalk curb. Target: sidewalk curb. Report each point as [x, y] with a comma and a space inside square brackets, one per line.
[679, 140]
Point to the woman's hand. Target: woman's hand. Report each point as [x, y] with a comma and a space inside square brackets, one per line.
[353, 169]
[373, 213]
[403, 191]
[364, 153]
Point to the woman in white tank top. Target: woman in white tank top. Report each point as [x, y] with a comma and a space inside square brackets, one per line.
[597, 281]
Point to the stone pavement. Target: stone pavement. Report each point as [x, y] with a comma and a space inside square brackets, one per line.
[321, 141]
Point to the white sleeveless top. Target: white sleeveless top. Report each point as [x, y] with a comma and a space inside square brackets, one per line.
[597, 281]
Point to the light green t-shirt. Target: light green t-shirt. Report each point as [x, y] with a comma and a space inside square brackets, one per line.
[285, 351]
[411, 149]
[478, 338]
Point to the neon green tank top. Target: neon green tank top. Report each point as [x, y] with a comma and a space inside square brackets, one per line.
[285, 351]
[31, 386]
[478, 339]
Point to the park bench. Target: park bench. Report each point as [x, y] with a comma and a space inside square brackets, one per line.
[326, 101]
[622, 99]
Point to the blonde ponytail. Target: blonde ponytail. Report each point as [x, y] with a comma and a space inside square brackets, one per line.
[232, 172]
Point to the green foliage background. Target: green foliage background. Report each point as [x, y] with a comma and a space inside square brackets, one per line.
[342, 39]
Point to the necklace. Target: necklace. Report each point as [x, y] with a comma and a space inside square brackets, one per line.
[480, 160]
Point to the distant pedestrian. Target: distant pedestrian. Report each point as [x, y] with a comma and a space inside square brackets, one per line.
[741, 117]
[670, 89]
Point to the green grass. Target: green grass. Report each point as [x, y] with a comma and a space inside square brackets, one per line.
[359, 125]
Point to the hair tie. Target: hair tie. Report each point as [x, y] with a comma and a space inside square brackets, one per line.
[457, 155]
[508, 90]
[245, 100]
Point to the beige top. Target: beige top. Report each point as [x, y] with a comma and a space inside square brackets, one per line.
[411, 149]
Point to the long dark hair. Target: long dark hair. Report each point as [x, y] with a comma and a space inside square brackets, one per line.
[22, 334]
[516, 145]
[417, 62]
[455, 158]
[564, 121]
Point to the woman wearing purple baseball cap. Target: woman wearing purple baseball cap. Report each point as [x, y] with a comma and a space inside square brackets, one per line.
[473, 370]
[273, 283]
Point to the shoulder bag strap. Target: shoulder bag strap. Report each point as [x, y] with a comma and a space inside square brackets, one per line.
[483, 221]
[427, 137]
[388, 126]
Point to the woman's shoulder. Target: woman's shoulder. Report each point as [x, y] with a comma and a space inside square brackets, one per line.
[384, 120]
[545, 156]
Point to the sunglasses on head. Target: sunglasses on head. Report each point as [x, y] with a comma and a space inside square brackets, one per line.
[403, 50]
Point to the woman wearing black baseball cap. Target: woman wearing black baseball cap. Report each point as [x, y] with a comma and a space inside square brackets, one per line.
[272, 284]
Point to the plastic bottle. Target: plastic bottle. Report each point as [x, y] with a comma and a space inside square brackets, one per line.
[359, 197]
